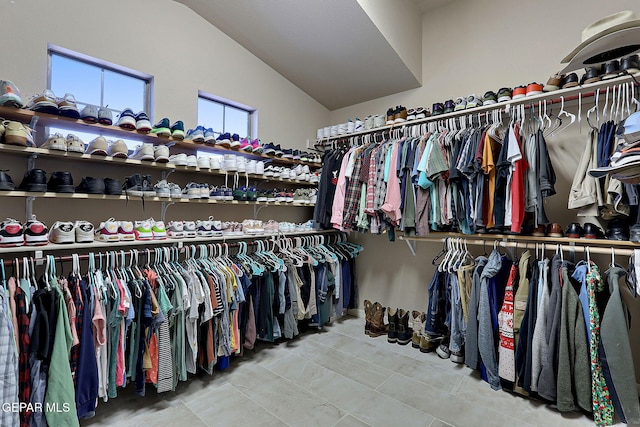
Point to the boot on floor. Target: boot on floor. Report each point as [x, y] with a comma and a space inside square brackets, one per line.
[367, 316]
[377, 326]
[418, 323]
[404, 331]
[392, 321]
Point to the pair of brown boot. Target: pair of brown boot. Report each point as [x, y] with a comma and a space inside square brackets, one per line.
[374, 325]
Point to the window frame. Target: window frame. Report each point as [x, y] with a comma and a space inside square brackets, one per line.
[103, 65]
[252, 122]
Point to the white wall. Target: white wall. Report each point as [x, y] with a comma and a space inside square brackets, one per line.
[471, 47]
[162, 38]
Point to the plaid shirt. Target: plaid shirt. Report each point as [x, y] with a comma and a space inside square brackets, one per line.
[381, 185]
[352, 196]
[371, 181]
[8, 366]
[24, 389]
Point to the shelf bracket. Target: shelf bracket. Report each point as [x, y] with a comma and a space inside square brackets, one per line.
[163, 212]
[31, 162]
[29, 207]
[257, 209]
[165, 174]
[412, 246]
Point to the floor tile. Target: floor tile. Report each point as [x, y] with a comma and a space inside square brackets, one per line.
[446, 406]
[350, 421]
[439, 423]
[293, 404]
[227, 406]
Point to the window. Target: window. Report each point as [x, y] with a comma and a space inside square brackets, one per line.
[96, 82]
[224, 116]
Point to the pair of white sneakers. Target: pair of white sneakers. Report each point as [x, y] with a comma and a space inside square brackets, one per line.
[233, 163]
[58, 142]
[71, 232]
[150, 152]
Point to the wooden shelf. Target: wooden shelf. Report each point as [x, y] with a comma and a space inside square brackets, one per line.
[25, 116]
[554, 97]
[49, 194]
[137, 243]
[44, 152]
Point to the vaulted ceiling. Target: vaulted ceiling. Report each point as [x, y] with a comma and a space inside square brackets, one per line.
[340, 52]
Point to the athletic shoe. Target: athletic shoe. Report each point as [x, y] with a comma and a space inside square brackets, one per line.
[127, 119]
[133, 185]
[162, 128]
[143, 124]
[378, 121]
[241, 164]
[289, 197]
[204, 191]
[203, 163]
[191, 191]
[15, 133]
[259, 168]
[209, 136]
[313, 196]
[287, 153]
[44, 103]
[224, 140]
[190, 229]
[11, 233]
[175, 230]
[245, 145]
[89, 114]
[161, 153]
[257, 146]
[98, 146]
[118, 148]
[112, 186]
[269, 149]
[35, 232]
[300, 197]
[107, 231]
[159, 230]
[203, 228]
[504, 94]
[125, 231]
[314, 178]
[195, 135]
[143, 230]
[55, 142]
[179, 159]
[272, 195]
[216, 193]
[234, 141]
[268, 171]
[147, 186]
[144, 152]
[192, 161]
[252, 194]
[84, 231]
[216, 227]
[10, 95]
[162, 189]
[228, 194]
[175, 191]
[75, 144]
[214, 162]
[230, 163]
[177, 130]
[62, 232]
[262, 196]
[67, 106]
[105, 116]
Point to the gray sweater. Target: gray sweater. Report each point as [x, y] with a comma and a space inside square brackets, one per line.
[471, 354]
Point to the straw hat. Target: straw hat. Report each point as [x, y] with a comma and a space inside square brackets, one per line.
[608, 38]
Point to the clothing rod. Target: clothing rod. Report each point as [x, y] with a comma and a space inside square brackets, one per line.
[550, 247]
[129, 252]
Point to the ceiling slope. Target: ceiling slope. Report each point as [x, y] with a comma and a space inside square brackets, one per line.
[330, 49]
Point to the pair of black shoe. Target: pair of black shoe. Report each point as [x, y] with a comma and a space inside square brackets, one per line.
[588, 231]
[35, 180]
[91, 185]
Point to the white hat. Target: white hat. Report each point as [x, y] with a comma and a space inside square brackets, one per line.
[608, 38]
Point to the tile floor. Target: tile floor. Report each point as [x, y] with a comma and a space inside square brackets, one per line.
[339, 377]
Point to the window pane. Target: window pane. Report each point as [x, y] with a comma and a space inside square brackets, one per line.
[75, 77]
[210, 114]
[121, 91]
[236, 121]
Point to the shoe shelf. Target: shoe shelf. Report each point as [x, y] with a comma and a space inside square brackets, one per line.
[50, 194]
[26, 116]
[28, 151]
[570, 95]
[187, 241]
